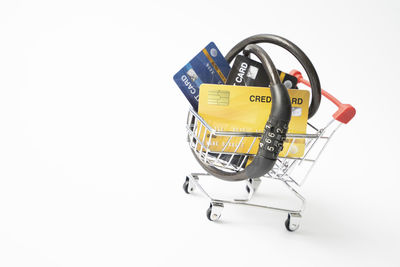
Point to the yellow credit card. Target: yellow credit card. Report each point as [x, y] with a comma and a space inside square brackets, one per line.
[246, 109]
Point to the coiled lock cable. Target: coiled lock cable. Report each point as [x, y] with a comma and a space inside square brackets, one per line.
[296, 52]
[271, 142]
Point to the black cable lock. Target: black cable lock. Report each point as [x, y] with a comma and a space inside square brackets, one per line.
[271, 142]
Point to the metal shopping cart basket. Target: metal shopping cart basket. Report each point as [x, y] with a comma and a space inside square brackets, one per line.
[292, 172]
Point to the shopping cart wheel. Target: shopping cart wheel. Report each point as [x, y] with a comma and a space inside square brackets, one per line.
[214, 211]
[292, 222]
[188, 187]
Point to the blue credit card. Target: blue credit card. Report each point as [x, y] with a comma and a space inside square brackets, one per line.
[209, 66]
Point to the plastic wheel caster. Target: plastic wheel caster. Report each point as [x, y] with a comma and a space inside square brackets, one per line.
[187, 187]
[292, 222]
[214, 211]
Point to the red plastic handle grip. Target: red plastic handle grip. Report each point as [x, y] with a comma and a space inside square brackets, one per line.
[344, 114]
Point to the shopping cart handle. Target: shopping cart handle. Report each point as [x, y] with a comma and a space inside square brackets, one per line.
[344, 114]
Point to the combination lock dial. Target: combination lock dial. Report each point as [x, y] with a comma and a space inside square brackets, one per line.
[271, 143]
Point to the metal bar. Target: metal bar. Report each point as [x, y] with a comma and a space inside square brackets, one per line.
[287, 152]
[310, 160]
[255, 134]
[236, 149]
[312, 126]
[208, 146]
[322, 131]
[319, 154]
[248, 151]
[223, 149]
[246, 134]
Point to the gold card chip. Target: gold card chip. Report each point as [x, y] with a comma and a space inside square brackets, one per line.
[218, 97]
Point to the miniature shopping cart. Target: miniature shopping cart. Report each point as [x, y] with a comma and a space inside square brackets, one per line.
[292, 172]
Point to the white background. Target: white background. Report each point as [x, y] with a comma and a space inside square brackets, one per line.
[92, 135]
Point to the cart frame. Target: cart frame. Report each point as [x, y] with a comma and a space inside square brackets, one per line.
[200, 134]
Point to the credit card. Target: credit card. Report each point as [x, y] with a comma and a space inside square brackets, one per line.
[246, 109]
[248, 72]
[208, 66]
